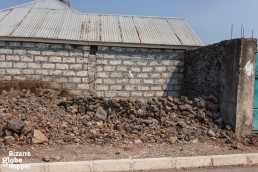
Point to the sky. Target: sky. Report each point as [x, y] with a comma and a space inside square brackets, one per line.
[211, 20]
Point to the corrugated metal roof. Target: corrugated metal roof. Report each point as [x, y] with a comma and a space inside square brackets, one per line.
[54, 21]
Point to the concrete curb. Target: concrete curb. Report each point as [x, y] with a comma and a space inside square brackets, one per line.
[143, 164]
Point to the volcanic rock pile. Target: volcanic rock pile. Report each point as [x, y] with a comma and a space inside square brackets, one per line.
[49, 119]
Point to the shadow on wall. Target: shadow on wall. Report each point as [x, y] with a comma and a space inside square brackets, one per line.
[175, 85]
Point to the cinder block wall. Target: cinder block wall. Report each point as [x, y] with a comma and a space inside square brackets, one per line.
[154, 72]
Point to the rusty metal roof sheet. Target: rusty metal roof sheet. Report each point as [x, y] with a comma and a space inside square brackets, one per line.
[54, 21]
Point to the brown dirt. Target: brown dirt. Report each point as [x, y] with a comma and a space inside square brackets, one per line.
[95, 152]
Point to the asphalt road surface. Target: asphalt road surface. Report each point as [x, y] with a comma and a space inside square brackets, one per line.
[228, 169]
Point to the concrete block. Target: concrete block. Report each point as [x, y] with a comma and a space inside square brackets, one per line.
[27, 58]
[116, 88]
[76, 53]
[82, 73]
[229, 160]
[109, 68]
[6, 78]
[99, 81]
[152, 164]
[159, 93]
[102, 87]
[161, 69]
[122, 81]
[62, 53]
[82, 60]
[167, 75]
[135, 81]
[55, 59]
[155, 75]
[12, 58]
[56, 72]
[109, 56]
[192, 162]
[102, 62]
[142, 63]
[136, 69]
[109, 81]
[6, 65]
[76, 66]
[148, 81]
[112, 165]
[136, 93]
[129, 62]
[2, 72]
[41, 59]
[28, 71]
[42, 72]
[19, 65]
[62, 66]
[68, 60]
[13, 71]
[99, 68]
[48, 53]
[34, 65]
[130, 87]
[115, 62]
[143, 88]
[122, 69]
[19, 78]
[48, 65]
[149, 94]
[146, 69]
[155, 63]
[32, 52]
[143, 75]
[86, 80]
[252, 159]
[83, 86]
[69, 73]
[100, 94]
[171, 69]
[73, 166]
[102, 74]
[61, 79]
[156, 88]
[123, 94]
[116, 75]
[6, 51]
[159, 81]
[110, 94]
[2, 57]
[20, 52]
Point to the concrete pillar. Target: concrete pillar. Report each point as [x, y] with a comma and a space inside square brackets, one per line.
[237, 87]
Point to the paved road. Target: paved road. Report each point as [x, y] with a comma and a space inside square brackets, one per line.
[229, 169]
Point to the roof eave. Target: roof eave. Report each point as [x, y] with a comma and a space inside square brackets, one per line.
[111, 44]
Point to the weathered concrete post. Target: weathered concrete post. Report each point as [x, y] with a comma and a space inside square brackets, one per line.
[237, 87]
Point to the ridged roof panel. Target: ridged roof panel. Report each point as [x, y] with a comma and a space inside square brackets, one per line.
[54, 20]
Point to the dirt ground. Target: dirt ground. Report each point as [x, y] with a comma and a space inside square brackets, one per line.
[93, 152]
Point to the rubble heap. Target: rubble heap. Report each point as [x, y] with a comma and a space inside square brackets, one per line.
[49, 119]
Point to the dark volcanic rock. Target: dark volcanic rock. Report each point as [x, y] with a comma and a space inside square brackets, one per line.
[95, 120]
[101, 114]
[15, 125]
